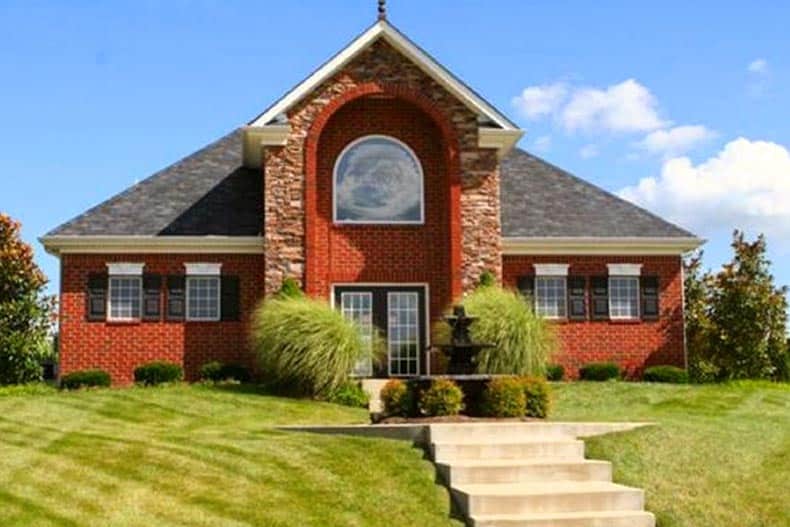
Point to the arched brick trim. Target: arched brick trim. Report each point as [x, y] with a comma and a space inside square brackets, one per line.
[451, 148]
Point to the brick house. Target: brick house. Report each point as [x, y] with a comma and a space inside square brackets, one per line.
[385, 185]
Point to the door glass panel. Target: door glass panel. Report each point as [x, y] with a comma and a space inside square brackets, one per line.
[358, 307]
[403, 333]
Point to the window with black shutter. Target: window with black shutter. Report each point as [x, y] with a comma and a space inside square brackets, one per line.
[152, 297]
[230, 301]
[599, 297]
[97, 297]
[176, 297]
[650, 305]
[526, 286]
[577, 306]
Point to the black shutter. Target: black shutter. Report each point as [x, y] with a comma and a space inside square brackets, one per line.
[152, 298]
[599, 286]
[96, 308]
[577, 307]
[176, 297]
[526, 286]
[229, 298]
[649, 289]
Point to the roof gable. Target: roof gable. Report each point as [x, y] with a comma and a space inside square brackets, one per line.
[386, 31]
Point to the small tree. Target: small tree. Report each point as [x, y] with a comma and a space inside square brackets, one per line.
[25, 312]
[697, 290]
[747, 315]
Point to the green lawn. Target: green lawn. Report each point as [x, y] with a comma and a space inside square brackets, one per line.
[720, 455]
[196, 455]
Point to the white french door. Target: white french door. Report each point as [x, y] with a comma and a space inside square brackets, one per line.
[403, 333]
[358, 307]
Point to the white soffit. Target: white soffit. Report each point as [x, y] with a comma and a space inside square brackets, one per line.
[624, 269]
[609, 246]
[551, 269]
[125, 269]
[203, 269]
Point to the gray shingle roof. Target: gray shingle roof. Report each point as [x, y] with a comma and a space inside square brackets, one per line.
[211, 193]
[542, 200]
[206, 193]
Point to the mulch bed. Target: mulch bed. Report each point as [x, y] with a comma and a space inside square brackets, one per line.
[454, 419]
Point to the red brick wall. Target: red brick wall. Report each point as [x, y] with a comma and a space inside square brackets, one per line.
[119, 347]
[633, 345]
[383, 253]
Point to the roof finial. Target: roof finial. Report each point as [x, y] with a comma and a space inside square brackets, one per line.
[382, 9]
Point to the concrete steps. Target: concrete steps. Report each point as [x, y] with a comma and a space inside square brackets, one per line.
[530, 474]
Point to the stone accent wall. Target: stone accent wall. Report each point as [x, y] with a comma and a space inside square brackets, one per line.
[381, 69]
[631, 344]
[119, 347]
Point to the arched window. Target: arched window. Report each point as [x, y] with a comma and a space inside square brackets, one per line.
[378, 179]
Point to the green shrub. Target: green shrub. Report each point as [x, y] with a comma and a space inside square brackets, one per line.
[235, 372]
[487, 279]
[555, 372]
[350, 394]
[443, 397]
[211, 371]
[599, 371]
[670, 374]
[304, 346]
[397, 397]
[504, 397]
[521, 341]
[290, 289]
[537, 393]
[85, 379]
[158, 372]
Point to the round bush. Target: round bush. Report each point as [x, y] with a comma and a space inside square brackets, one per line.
[522, 342]
[555, 372]
[599, 371]
[211, 371]
[397, 398]
[536, 392]
[85, 379]
[669, 374]
[350, 394]
[443, 397]
[304, 346]
[216, 371]
[158, 372]
[504, 397]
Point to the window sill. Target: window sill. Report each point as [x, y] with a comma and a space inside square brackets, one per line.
[625, 321]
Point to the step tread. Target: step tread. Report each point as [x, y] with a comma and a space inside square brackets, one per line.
[476, 441]
[538, 488]
[526, 462]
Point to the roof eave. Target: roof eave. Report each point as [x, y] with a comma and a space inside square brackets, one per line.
[57, 245]
[613, 246]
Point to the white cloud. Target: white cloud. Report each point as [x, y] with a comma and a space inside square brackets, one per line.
[759, 66]
[675, 141]
[746, 185]
[542, 143]
[588, 151]
[624, 107]
[539, 101]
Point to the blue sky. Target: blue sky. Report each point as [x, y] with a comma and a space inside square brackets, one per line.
[95, 96]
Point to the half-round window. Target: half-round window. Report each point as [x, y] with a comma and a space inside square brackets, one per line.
[378, 179]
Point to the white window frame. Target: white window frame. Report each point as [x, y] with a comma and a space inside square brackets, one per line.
[133, 318]
[638, 313]
[340, 156]
[416, 359]
[363, 368]
[564, 297]
[191, 318]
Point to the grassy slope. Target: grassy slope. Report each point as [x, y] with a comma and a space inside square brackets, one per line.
[200, 456]
[720, 455]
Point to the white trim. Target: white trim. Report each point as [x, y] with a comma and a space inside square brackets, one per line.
[502, 140]
[219, 300]
[426, 287]
[57, 245]
[564, 297]
[139, 280]
[256, 137]
[625, 246]
[384, 30]
[411, 152]
[624, 269]
[203, 269]
[551, 269]
[125, 269]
